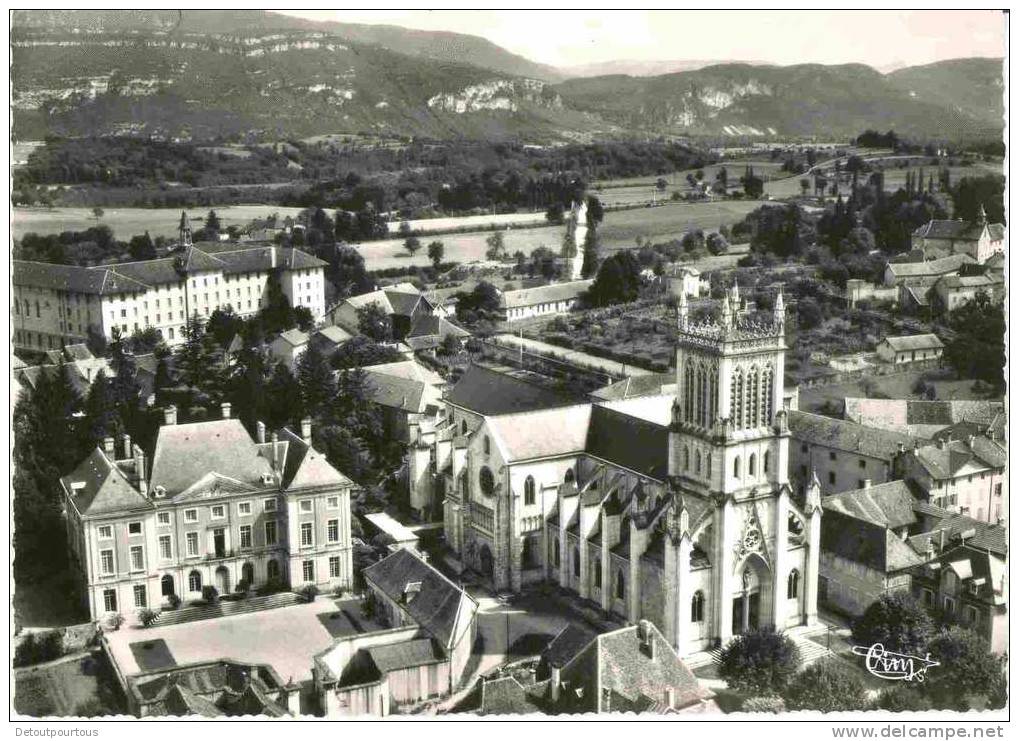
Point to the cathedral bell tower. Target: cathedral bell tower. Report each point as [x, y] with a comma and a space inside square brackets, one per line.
[729, 451]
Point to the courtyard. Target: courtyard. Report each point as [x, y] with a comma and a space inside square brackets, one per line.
[286, 638]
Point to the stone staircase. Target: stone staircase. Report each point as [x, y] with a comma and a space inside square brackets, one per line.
[224, 608]
[809, 650]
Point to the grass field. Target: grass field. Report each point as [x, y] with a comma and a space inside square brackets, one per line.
[126, 222]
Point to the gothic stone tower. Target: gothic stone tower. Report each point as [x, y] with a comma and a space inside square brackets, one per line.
[751, 555]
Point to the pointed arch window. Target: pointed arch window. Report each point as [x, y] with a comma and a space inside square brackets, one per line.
[688, 392]
[570, 477]
[529, 496]
[697, 462]
[767, 461]
[752, 465]
[767, 404]
[754, 398]
[463, 427]
[576, 561]
[738, 417]
[487, 445]
[707, 467]
[701, 396]
[735, 467]
[620, 585]
[686, 458]
[597, 574]
[793, 585]
[697, 607]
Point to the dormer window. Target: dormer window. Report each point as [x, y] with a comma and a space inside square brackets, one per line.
[160, 490]
[267, 479]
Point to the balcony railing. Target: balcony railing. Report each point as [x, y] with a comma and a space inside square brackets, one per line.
[483, 517]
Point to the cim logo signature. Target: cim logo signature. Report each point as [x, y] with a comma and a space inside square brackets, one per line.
[894, 666]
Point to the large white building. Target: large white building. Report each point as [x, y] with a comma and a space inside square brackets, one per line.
[54, 305]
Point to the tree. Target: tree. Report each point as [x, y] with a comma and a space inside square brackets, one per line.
[97, 213]
[373, 322]
[827, 687]
[595, 212]
[496, 246]
[436, 251]
[618, 281]
[555, 213]
[484, 300]
[968, 669]
[411, 244]
[661, 184]
[896, 621]
[360, 351]
[753, 186]
[804, 185]
[212, 226]
[142, 248]
[315, 381]
[277, 315]
[759, 662]
[346, 271]
[717, 244]
[976, 348]
[224, 325]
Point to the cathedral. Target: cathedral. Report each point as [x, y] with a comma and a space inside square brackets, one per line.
[671, 505]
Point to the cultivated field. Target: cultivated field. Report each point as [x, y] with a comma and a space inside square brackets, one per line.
[126, 222]
[619, 230]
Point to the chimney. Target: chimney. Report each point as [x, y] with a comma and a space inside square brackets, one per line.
[272, 257]
[127, 445]
[260, 432]
[275, 442]
[647, 641]
[108, 447]
[170, 415]
[306, 430]
[670, 697]
[225, 409]
[556, 681]
[970, 439]
[139, 467]
[866, 483]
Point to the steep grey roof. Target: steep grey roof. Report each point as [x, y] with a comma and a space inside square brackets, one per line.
[105, 488]
[137, 276]
[543, 433]
[889, 505]
[489, 392]
[437, 602]
[906, 343]
[650, 384]
[186, 453]
[848, 436]
[628, 441]
[416, 652]
[944, 460]
[941, 266]
[543, 294]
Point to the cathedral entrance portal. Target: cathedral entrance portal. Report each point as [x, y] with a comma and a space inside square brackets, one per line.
[746, 604]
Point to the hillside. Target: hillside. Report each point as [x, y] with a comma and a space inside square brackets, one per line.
[973, 87]
[270, 84]
[456, 48]
[742, 99]
[260, 75]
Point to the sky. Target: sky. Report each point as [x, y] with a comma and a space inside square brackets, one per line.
[882, 39]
